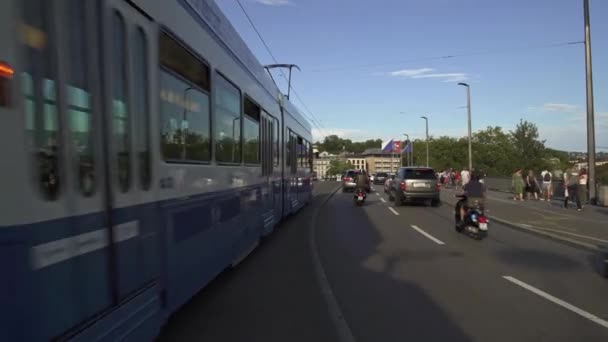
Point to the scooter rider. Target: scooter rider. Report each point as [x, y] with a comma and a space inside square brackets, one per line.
[474, 190]
[363, 182]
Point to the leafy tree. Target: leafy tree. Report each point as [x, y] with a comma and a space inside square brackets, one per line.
[529, 151]
[493, 152]
[339, 167]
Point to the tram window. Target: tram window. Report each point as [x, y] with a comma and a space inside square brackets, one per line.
[174, 56]
[251, 132]
[227, 121]
[142, 117]
[251, 141]
[310, 154]
[185, 129]
[276, 136]
[185, 117]
[79, 97]
[120, 113]
[288, 143]
[300, 149]
[42, 124]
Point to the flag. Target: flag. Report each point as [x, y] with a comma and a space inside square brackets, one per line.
[407, 148]
[387, 146]
[391, 146]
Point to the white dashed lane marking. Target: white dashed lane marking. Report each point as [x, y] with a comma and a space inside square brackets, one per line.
[429, 236]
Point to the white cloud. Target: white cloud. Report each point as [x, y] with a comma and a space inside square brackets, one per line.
[410, 72]
[572, 136]
[447, 77]
[559, 107]
[581, 117]
[275, 2]
[429, 73]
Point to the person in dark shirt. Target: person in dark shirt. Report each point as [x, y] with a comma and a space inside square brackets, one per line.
[474, 190]
[362, 181]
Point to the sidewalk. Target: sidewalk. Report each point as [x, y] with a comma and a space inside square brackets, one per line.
[587, 229]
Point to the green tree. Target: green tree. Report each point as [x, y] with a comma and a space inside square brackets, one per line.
[529, 151]
[493, 152]
[339, 167]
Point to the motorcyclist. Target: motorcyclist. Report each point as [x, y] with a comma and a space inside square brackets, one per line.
[473, 191]
[362, 181]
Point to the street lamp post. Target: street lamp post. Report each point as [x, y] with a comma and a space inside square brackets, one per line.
[427, 139]
[411, 159]
[407, 157]
[590, 110]
[469, 122]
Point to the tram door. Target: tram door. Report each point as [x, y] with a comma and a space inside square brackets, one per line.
[129, 63]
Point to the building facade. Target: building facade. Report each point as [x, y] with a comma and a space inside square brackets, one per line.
[379, 161]
[321, 163]
[358, 162]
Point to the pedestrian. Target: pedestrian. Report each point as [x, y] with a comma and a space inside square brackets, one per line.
[518, 185]
[571, 182]
[582, 188]
[465, 176]
[547, 178]
[531, 185]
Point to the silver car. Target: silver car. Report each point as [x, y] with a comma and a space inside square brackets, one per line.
[349, 179]
[415, 184]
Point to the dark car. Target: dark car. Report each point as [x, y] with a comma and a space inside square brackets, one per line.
[380, 177]
[415, 184]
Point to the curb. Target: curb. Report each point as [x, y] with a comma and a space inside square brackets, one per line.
[564, 240]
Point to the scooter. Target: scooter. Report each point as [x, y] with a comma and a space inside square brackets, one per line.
[359, 197]
[475, 222]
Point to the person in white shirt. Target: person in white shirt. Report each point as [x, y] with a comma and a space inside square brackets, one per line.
[547, 178]
[465, 176]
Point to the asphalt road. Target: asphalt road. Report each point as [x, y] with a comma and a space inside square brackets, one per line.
[393, 282]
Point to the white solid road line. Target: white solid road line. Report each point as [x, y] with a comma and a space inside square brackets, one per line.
[382, 199]
[431, 237]
[559, 302]
[393, 210]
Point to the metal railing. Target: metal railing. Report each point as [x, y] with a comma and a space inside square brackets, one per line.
[504, 184]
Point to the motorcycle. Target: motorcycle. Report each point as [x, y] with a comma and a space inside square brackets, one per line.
[475, 222]
[359, 197]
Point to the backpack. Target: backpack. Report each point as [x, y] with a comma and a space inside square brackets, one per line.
[547, 177]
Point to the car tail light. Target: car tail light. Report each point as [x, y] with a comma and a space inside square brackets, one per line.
[482, 219]
[402, 186]
[347, 179]
[6, 74]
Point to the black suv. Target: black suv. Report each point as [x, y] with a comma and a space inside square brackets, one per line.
[380, 178]
[415, 184]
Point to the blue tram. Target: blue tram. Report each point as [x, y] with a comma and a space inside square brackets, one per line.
[145, 151]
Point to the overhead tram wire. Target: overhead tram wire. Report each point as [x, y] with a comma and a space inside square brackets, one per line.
[449, 56]
[310, 115]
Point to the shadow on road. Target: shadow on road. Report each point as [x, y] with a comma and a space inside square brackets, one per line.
[367, 275]
[272, 295]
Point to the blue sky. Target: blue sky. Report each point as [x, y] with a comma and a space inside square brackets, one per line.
[402, 38]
